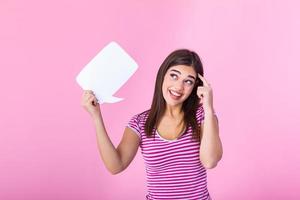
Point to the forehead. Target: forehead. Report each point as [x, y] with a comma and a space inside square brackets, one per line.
[183, 69]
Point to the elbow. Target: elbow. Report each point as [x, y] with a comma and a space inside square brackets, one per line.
[210, 165]
[115, 172]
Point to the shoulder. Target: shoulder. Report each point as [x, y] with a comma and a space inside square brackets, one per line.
[199, 110]
[200, 113]
[139, 118]
[137, 122]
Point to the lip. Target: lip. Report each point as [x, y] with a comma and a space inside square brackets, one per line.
[175, 97]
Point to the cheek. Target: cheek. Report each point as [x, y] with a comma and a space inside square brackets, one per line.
[164, 88]
[165, 84]
[189, 90]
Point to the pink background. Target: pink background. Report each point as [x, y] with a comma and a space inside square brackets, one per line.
[250, 50]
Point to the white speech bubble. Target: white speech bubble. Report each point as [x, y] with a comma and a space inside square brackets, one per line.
[107, 72]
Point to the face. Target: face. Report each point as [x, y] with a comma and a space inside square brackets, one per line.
[178, 84]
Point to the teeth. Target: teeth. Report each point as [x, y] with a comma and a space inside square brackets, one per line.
[175, 93]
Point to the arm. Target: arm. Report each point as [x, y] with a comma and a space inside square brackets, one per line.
[115, 159]
[211, 150]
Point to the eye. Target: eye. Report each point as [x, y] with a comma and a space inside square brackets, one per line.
[189, 82]
[174, 76]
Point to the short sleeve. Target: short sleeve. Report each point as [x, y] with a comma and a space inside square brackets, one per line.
[134, 125]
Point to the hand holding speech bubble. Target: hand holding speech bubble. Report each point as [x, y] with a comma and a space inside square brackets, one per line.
[107, 72]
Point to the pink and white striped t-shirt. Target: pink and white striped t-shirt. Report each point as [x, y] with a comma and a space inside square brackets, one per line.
[173, 167]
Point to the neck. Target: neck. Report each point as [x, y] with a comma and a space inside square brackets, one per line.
[174, 111]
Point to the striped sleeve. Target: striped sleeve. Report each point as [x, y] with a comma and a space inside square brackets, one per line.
[134, 125]
[200, 114]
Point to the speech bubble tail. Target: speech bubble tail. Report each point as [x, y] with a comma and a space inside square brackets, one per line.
[110, 99]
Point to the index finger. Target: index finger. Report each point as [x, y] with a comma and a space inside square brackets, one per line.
[88, 91]
[205, 83]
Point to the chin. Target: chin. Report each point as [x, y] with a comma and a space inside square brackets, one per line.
[174, 103]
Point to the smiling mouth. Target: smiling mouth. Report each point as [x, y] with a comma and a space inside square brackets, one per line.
[175, 95]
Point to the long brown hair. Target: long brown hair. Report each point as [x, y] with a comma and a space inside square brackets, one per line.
[190, 105]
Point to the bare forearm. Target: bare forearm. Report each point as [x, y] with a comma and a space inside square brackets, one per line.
[108, 152]
[211, 147]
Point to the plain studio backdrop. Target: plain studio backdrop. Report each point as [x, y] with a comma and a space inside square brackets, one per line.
[250, 51]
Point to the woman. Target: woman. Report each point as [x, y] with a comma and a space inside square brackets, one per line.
[169, 134]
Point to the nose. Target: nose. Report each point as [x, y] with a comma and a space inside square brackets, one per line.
[179, 86]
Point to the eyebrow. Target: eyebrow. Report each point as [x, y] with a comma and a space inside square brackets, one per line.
[180, 73]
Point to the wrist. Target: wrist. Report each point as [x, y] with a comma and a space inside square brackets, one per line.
[97, 119]
[209, 110]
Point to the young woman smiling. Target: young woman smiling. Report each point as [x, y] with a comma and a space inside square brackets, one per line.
[178, 135]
